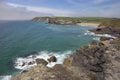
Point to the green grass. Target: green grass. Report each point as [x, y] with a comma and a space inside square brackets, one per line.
[106, 22]
[83, 19]
[111, 23]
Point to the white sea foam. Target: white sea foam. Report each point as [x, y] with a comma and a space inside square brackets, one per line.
[96, 39]
[99, 35]
[7, 77]
[22, 63]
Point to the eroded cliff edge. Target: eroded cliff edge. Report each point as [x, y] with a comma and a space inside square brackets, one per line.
[97, 61]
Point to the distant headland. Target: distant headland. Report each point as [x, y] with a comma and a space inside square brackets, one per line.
[104, 25]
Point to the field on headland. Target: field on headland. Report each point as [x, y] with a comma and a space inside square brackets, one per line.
[83, 21]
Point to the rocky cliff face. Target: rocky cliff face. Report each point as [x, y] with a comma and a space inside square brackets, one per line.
[94, 62]
[55, 20]
[111, 26]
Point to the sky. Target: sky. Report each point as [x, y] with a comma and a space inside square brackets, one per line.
[28, 9]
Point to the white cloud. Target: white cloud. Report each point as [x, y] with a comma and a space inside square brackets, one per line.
[16, 11]
[55, 12]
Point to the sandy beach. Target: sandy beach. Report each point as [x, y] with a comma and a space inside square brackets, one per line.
[88, 24]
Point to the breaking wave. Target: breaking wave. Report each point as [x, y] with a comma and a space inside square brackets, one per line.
[7, 77]
[23, 63]
[97, 36]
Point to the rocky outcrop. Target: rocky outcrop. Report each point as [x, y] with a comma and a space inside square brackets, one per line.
[110, 26]
[52, 59]
[41, 61]
[41, 72]
[107, 30]
[98, 61]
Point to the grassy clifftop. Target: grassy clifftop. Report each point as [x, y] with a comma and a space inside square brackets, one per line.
[104, 22]
[85, 19]
[75, 19]
[111, 23]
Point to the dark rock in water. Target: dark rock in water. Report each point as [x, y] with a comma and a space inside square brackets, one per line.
[105, 38]
[52, 59]
[31, 63]
[41, 61]
[23, 64]
[107, 30]
[98, 29]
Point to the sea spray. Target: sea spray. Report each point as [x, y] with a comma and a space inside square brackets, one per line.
[97, 36]
[7, 77]
[23, 63]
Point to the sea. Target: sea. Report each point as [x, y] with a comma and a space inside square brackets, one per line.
[20, 40]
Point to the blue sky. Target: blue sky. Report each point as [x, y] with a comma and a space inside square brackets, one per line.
[27, 9]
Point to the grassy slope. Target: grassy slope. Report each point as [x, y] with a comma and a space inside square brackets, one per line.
[84, 19]
[110, 23]
[106, 22]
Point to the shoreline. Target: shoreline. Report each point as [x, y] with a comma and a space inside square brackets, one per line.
[69, 68]
[88, 24]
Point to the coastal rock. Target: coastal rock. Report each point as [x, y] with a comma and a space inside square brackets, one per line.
[100, 61]
[52, 59]
[41, 72]
[31, 63]
[107, 30]
[41, 61]
[105, 38]
[87, 63]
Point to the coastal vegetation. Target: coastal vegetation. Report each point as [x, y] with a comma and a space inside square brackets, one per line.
[111, 23]
[100, 21]
[75, 19]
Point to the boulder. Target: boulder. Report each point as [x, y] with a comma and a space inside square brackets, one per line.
[52, 59]
[41, 61]
[98, 29]
[31, 63]
[23, 64]
[105, 38]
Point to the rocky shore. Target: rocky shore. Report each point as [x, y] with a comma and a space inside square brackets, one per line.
[111, 27]
[97, 61]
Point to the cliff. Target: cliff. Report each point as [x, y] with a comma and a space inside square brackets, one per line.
[58, 20]
[97, 61]
[71, 20]
[111, 26]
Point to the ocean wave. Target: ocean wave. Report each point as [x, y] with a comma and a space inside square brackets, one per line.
[96, 39]
[99, 35]
[23, 63]
[7, 77]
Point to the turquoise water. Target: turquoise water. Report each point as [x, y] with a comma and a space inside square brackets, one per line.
[22, 38]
